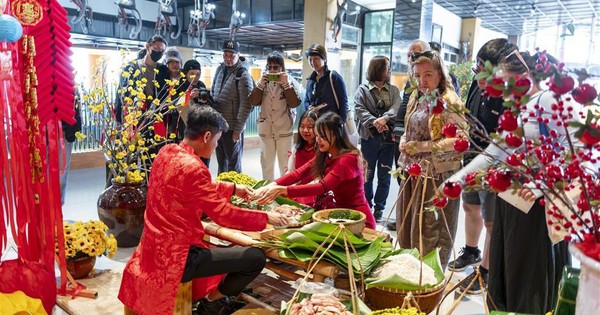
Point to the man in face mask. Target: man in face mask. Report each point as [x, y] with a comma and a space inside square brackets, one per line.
[147, 61]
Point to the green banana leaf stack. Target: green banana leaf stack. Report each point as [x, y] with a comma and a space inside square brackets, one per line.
[302, 244]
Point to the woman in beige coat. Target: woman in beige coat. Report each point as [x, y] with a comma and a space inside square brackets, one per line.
[424, 143]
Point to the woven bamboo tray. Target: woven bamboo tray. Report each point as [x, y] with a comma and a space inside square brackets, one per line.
[382, 298]
[356, 227]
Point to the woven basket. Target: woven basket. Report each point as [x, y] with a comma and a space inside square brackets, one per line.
[356, 227]
[382, 298]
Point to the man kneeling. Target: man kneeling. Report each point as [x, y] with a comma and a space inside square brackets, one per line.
[171, 250]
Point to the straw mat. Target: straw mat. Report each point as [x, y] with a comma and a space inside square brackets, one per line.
[107, 283]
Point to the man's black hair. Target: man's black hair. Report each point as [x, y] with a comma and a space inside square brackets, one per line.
[202, 119]
[276, 57]
[495, 50]
[157, 38]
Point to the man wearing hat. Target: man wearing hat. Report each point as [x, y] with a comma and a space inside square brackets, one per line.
[231, 86]
[147, 59]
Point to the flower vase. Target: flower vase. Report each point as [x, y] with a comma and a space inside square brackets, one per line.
[589, 283]
[81, 267]
[121, 207]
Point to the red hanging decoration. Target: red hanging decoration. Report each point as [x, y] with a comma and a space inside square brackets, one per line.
[34, 97]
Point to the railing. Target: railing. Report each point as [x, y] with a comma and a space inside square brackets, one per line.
[93, 131]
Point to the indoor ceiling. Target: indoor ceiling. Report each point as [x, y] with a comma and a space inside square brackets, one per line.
[516, 17]
[512, 17]
[277, 35]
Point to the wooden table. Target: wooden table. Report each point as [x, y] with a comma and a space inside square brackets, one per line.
[322, 270]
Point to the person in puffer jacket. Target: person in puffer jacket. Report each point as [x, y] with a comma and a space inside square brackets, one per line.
[231, 86]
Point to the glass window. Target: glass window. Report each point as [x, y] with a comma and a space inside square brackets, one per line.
[283, 10]
[261, 11]
[378, 26]
[222, 13]
[299, 10]
[349, 71]
[371, 51]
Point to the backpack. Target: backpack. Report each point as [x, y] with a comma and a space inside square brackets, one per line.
[238, 76]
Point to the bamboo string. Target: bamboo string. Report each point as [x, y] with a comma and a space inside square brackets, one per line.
[312, 266]
[353, 296]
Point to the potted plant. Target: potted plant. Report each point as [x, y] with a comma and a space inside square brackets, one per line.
[83, 243]
[129, 142]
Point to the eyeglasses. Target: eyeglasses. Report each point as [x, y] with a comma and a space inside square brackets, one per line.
[417, 55]
[380, 105]
[274, 68]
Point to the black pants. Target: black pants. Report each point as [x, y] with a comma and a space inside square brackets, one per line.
[241, 264]
[525, 267]
[229, 153]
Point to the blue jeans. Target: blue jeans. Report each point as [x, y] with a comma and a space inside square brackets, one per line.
[64, 176]
[379, 155]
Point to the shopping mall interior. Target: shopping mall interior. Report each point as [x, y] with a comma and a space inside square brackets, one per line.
[105, 35]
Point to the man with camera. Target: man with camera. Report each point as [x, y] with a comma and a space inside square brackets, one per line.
[277, 95]
[376, 104]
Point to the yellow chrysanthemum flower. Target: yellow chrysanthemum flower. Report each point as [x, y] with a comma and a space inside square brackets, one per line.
[80, 136]
[121, 155]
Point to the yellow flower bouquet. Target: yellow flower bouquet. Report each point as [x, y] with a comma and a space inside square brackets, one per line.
[127, 120]
[88, 239]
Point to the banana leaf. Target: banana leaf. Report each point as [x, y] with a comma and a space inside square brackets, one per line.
[398, 282]
[302, 247]
[320, 238]
[325, 229]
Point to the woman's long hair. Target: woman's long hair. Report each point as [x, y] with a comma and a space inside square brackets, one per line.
[309, 114]
[334, 123]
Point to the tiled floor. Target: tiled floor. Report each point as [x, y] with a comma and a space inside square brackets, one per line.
[85, 185]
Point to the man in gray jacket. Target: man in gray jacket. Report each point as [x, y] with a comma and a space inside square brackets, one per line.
[231, 86]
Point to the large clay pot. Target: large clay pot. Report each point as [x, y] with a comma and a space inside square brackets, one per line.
[589, 283]
[121, 207]
[81, 267]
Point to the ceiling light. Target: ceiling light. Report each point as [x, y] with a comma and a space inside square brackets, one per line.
[532, 9]
[414, 1]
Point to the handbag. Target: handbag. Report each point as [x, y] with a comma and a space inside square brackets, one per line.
[386, 136]
[325, 201]
[349, 124]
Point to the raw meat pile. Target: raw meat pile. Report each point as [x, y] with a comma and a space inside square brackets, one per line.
[292, 212]
[320, 304]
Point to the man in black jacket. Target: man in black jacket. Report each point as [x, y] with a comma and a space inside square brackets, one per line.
[479, 205]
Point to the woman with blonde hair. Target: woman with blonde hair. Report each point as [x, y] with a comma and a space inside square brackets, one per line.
[423, 146]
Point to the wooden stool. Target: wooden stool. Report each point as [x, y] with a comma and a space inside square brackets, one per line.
[183, 300]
